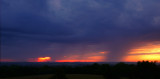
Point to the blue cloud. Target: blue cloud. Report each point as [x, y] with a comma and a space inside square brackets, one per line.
[112, 25]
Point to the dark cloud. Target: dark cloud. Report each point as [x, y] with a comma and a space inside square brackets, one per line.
[32, 28]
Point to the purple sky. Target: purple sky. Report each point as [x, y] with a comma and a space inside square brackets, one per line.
[56, 28]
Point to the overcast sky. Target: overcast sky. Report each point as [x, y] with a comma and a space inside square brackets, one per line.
[77, 28]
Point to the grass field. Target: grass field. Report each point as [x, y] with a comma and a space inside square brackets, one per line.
[69, 76]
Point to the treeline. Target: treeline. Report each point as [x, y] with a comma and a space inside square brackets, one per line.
[142, 70]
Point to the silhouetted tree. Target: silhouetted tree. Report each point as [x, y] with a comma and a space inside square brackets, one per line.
[60, 74]
[147, 70]
[143, 70]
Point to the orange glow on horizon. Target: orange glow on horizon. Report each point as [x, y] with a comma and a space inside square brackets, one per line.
[102, 52]
[44, 59]
[87, 57]
[76, 61]
[149, 52]
[142, 57]
[154, 57]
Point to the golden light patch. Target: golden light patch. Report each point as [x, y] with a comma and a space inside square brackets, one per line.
[97, 58]
[154, 57]
[76, 61]
[87, 57]
[135, 58]
[44, 59]
[102, 52]
[149, 48]
[132, 58]
[150, 52]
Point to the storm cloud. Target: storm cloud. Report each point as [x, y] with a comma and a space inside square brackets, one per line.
[33, 28]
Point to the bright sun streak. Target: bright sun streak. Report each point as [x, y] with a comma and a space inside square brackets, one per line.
[151, 57]
[150, 52]
[44, 59]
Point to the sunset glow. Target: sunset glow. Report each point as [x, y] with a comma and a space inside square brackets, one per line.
[102, 52]
[154, 57]
[88, 57]
[76, 61]
[149, 49]
[80, 30]
[150, 52]
[44, 59]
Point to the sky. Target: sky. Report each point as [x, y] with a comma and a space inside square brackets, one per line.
[80, 30]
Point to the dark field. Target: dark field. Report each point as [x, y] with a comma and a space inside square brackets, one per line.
[69, 76]
[141, 70]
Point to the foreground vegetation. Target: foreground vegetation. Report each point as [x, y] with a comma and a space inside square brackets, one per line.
[142, 70]
[70, 76]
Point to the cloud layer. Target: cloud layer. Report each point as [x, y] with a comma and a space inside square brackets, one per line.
[33, 28]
